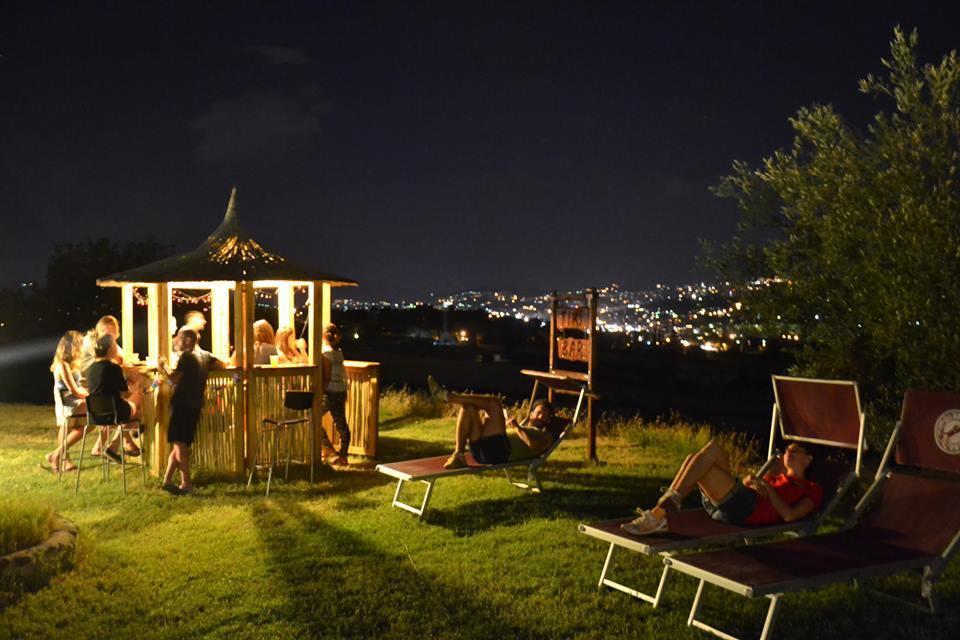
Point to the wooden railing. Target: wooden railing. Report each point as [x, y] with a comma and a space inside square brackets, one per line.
[269, 384]
[222, 448]
[218, 446]
[363, 408]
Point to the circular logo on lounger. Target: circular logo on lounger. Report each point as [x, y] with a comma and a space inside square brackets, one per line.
[946, 432]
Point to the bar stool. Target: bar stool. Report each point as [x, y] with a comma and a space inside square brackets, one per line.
[64, 424]
[102, 413]
[301, 402]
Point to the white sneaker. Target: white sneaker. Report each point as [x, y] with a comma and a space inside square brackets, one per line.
[645, 524]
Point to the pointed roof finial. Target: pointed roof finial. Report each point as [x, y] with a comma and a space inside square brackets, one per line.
[231, 215]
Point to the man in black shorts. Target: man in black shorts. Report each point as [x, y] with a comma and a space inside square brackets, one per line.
[190, 382]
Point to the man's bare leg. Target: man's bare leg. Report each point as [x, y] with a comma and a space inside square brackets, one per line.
[184, 458]
[468, 427]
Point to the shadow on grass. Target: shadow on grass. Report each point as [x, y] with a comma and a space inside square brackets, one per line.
[399, 422]
[479, 515]
[336, 584]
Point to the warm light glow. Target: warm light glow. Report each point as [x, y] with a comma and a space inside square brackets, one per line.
[273, 284]
[198, 284]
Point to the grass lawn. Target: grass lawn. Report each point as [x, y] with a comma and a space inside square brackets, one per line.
[335, 560]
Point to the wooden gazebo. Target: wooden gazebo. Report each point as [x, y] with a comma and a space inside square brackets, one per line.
[231, 267]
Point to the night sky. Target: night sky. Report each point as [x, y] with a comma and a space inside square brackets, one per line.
[419, 147]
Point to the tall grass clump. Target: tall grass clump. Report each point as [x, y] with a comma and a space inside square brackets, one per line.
[406, 403]
[680, 438]
[23, 524]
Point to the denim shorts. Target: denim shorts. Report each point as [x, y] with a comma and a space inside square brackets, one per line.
[735, 508]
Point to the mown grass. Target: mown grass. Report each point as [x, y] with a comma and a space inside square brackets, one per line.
[335, 560]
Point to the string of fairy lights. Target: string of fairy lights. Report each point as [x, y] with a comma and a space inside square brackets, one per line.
[203, 300]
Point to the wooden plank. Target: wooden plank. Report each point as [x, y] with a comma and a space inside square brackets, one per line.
[162, 305]
[285, 306]
[220, 321]
[126, 318]
[316, 348]
[153, 326]
[326, 303]
[164, 308]
[243, 337]
[314, 356]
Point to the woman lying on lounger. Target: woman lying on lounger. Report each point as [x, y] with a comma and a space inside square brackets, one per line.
[782, 495]
[494, 437]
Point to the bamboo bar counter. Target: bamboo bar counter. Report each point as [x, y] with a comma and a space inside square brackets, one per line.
[231, 268]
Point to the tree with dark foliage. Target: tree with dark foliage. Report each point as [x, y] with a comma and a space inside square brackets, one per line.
[862, 229]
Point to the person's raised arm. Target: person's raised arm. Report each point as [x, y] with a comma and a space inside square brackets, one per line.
[173, 376]
[789, 513]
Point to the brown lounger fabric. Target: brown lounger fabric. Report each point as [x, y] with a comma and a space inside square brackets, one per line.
[818, 409]
[690, 525]
[915, 519]
[778, 567]
[919, 432]
[430, 466]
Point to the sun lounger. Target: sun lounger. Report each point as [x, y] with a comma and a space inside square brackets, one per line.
[429, 470]
[907, 521]
[821, 412]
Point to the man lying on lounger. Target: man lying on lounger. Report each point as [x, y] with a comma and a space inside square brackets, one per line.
[782, 495]
[494, 437]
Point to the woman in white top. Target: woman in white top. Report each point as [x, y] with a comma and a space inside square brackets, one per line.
[335, 388]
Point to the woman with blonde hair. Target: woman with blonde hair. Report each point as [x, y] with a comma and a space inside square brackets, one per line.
[287, 346]
[69, 397]
[263, 342]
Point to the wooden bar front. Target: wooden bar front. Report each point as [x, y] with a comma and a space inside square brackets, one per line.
[222, 447]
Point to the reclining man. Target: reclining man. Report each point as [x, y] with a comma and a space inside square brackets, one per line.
[494, 437]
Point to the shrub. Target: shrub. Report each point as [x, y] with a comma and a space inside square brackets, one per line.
[23, 524]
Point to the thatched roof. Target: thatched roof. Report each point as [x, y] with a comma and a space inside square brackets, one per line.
[228, 254]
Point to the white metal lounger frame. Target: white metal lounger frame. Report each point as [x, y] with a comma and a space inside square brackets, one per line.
[931, 570]
[668, 549]
[532, 484]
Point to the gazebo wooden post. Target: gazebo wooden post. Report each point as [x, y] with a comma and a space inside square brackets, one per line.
[158, 339]
[316, 359]
[285, 306]
[325, 305]
[220, 321]
[243, 338]
[126, 318]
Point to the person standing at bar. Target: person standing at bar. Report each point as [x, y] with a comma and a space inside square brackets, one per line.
[335, 390]
[190, 382]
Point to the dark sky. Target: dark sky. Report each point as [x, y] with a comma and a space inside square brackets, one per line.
[419, 147]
